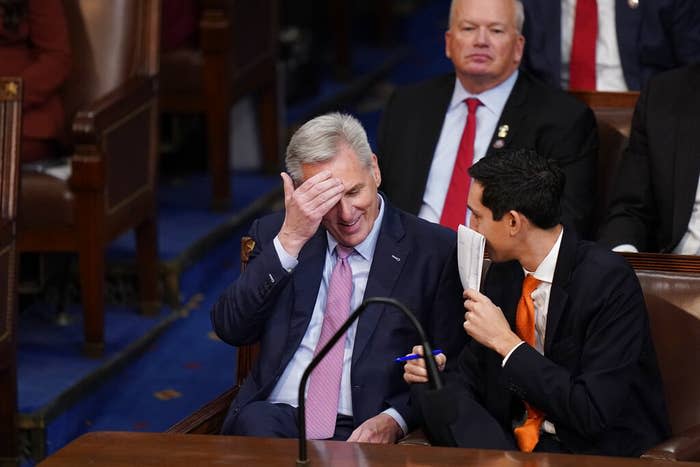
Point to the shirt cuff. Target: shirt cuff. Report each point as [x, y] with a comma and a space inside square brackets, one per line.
[626, 248]
[288, 261]
[505, 359]
[393, 413]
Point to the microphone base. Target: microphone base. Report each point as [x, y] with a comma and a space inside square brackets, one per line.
[304, 463]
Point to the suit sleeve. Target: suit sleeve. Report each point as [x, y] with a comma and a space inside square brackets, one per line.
[683, 28]
[587, 401]
[631, 213]
[574, 144]
[240, 313]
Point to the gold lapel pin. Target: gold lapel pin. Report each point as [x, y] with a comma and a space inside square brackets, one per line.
[503, 131]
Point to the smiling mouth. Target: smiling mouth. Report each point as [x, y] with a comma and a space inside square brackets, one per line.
[349, 224]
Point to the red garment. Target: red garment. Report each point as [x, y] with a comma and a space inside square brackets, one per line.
[39, 52]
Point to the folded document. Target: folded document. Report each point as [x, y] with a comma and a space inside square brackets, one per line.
[470, 256]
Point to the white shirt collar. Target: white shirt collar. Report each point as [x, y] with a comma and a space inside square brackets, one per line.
[545, 271]
[493, 99]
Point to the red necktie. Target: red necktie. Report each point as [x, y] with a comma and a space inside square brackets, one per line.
[528, 434]
[454, 211]
[582, 61]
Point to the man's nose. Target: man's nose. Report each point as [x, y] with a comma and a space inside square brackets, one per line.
[345, 209]
[482, 36]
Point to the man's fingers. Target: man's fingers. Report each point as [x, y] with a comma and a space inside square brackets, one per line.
[417, 349]
[288, 186]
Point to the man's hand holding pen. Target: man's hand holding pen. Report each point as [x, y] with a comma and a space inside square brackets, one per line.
[414, 370]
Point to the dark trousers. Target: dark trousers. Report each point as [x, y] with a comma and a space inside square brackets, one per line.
[269, 420]
[453, 418]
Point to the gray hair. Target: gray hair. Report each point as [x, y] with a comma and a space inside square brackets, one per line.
[319, 140]
[519, 14]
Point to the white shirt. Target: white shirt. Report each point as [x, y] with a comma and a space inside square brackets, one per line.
[286, 390]
[487, 116]
[609, 73]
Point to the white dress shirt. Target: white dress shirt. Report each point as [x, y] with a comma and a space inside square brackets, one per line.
[286, 390]
[487, 116]
[609, 73]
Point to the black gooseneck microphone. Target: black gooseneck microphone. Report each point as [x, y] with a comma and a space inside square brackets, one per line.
[433, 374]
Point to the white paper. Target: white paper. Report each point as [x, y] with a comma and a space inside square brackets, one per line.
[470, 256]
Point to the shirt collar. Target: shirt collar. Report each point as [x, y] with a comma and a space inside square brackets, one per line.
[366, 247]
[545, 271]
[493, 99]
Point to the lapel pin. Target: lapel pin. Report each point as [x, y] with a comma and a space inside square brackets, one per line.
[498, 144]
[633, 4]
[503, 131]
[396, 258]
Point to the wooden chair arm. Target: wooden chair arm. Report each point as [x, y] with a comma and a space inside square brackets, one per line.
[209, 418]
[101, 115]
[684, 446]
[416, 437]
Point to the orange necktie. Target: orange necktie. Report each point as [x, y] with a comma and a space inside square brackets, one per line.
[528, 434]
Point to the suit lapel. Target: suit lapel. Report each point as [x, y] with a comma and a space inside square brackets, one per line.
[311, 260]
[686, 154]
[428, 133]
[510, 123]
[558, 296]
[390, 255]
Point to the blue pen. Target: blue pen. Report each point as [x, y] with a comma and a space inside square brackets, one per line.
[414, 356]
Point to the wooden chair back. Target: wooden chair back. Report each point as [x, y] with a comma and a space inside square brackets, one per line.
[112, 102]
[10, 132]
[236, 56]
[671, 286]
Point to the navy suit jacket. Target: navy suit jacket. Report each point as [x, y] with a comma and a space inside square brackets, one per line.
[539, 117]
[657, 35]
[598, 381]
[414, 262]
[654, 194]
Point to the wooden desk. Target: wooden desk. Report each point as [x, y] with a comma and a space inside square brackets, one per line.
[154, 449]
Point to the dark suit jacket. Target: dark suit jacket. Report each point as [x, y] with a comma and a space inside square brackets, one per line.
[657, 35]
[598, 381]
[414, 262]
[539, 117]
[39, 53]
[654, 194]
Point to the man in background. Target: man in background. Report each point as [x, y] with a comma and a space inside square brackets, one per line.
[432, 132]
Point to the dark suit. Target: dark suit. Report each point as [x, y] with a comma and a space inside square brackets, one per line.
[548, 120]
[656, 36]
[654, 195]
[414, 262]
[598, 381]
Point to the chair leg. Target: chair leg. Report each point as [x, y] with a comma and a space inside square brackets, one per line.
[147, 262]
[269, 128]
[218, 108]
[91, 259]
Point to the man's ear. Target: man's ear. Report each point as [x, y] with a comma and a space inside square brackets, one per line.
[515, 221]
[376, 174]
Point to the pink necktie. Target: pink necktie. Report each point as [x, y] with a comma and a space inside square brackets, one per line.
[324, 382]
[454, 211]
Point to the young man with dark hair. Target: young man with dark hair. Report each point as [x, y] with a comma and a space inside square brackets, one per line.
[560, 357]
